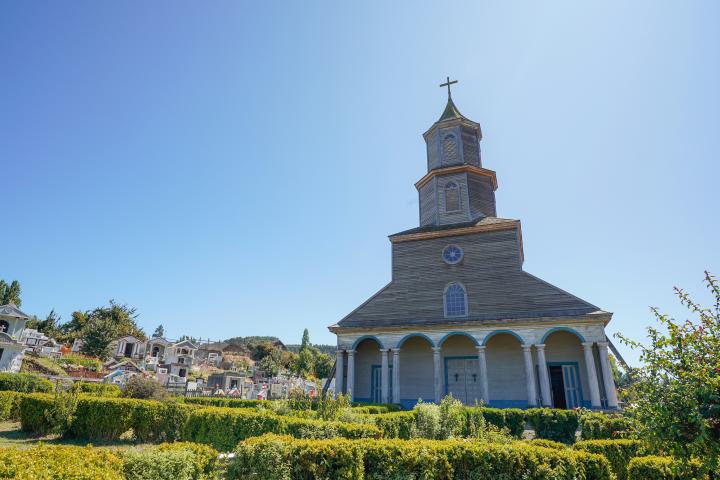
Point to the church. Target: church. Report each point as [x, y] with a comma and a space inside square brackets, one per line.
[460, 316]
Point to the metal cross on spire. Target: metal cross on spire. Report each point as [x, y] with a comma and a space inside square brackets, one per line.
[447, 84]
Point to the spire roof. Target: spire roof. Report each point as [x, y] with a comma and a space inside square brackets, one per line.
[451, 111]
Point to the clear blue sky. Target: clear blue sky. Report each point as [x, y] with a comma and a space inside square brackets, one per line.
[234, 168]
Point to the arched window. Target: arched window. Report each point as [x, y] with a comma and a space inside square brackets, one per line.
[4, 326]
[455, 300]
[452, 197]
[450, 150]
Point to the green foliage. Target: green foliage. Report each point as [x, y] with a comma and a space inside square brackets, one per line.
[50, 326]
[24, 382]
[31, 411]
[553, 424]
[59, 462]
[91, 363]
[99, 327]
[159, 331]
[223, 428]
[427, 420]
[375, 409]
[44, 365]
[452, 417]
[510, 419]
[599, 426]
[10, 293]
[9, 404]
[173, 461]
[676, 394]
[144, 388]
[663, 468]
[395, 424]
[329, 408]
[61, 413]
[618, 452]
[541, 442]
[276, 457]
[225, 402]
[96, 389]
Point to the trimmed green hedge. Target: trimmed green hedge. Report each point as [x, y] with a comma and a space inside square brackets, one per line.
[96, 389]
[618, 452]
[171, 461]
[274, 457]
[59, 462]
[553, 424]
[377, 409]
[223, 428]
[225, 402]
[602, 426]
[9, 404]
[513, 419]
[394, 425]
[660, 468]
[24, 382]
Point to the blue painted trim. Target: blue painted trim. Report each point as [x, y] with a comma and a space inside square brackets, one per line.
[562, 329]
[498, 332]
[445, 362]
[421, 335]
[362, 400]
[509, 404]
[579, 379]
[463, 334]
[367, 337]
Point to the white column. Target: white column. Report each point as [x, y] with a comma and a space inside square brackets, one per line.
[384, 380]
[436, 369]
[396, 375]
[608, 379]
[530, 376]
[544, 377]
[351, 374]
[592, 375]
[339, 367]
[482, 364]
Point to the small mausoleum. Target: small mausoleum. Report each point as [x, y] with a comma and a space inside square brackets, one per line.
[460, 315]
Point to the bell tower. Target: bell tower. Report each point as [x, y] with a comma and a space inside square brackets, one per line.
[456, 188]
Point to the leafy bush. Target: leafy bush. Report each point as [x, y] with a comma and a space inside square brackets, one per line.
[225, 402]
[276, 457]
[175, 461]
[601, 426]
[9, 404]
[512, 419]
[61, 414]
[554, 424]
[452, 417]
[153, 421]
[223, 428]
[618, 452]
[24, 382]
[91, 363]
[59, 462]
[97, 389]
[373, 409]
[661, 468]
[31, 411]
[427, 420]
[541, 442]
[144, 388]
[395, 424]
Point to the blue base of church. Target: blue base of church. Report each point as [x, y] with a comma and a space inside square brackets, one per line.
[408, 404]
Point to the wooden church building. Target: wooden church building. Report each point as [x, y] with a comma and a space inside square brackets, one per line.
[460, 315]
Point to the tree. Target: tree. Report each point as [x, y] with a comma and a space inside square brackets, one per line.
[159, 331]
[97, 336]
[676, 394]
[49, 326]
[305, 340]
[323, 365]
[305, 363]
[99, 327]
[145, 388]
[10, 293]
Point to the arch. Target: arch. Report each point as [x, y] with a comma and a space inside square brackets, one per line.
[562, 329]
[498, 332]
[367, 337]
[462, 334]
[452, 197]
[455, 301]
[409, 336]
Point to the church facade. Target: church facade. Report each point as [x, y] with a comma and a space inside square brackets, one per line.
[460, 315]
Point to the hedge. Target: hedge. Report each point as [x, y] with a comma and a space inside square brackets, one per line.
[660, 468]
[59, 462]
[171, 461]
[24, 382]
[553, 424]
[225, 402]
[375, 409]
[96, 389]
[601, 426]
[394, 425]
[223, 428]
[274, 457]
[513, 419]
[9, 404]
[618, 452]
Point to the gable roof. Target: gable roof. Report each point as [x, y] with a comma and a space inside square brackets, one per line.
[11, 310]
[185, 343]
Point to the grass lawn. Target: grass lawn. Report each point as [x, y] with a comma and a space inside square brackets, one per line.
[12, 436]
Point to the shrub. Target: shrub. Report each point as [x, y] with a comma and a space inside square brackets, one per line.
[223, 428]
[541, 442]
[281, 458]
[553, 424]
[96, 389]
[9, 404]
[61, 413]
[601, 426]
[661, 468]
[512, 419]
[225, 402]
[31, 411]
[73, 359]
[153, 421]
[59, 462]
[452, 417]
[374, 409]
[144, 388]
[394, 425]
[618, 452]
[427, 420]
[24, 382]
[175, 461]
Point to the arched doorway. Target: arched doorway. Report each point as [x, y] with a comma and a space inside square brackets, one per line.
[567, 371]
[461, 368]
[507, 386]
[417, 379]
[368, 372]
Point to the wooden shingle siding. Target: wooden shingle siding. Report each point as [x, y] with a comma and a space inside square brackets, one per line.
[428, 205]
[490, 271]
[482, 196]
[471, 147]
[433, 152]
[462, 215]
